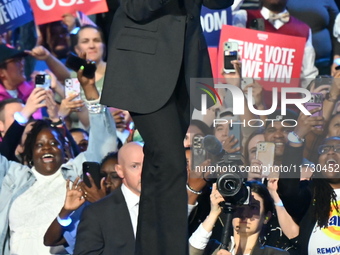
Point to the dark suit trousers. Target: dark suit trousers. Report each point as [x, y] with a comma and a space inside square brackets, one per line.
[162, 223]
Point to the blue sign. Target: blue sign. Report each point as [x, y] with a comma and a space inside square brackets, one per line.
[13, 14]
[212, 21]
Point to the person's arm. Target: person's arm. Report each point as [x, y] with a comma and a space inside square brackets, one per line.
[332, 98]
[56, 86]
[89, 235]
[200, 237]
[293, 193]
[102, 135]
[74, 199]
[13, 135]
[196, 183]
[286, 222]
[308, 69]
[333, 11]
[11, 140]
[83, 116]
[57, 67]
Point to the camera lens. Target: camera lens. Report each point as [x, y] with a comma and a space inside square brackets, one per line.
[229, 185]
[232, 188]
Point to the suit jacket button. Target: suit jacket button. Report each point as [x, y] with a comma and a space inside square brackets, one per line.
[191, 17]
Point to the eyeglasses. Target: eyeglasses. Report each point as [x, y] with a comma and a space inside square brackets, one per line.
[16, 60]
[323, 149]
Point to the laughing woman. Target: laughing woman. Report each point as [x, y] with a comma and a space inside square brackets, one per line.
[30, 198]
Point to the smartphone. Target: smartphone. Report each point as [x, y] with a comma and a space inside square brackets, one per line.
[94, 169]
[230, 53]
[315, 101]
[257, 24]
[265, 152]
[74, 62]
[72, 86]
[235, 130]
[43, 81]
[199, 154]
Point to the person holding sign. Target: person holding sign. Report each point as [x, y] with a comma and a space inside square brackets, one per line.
[273, 17]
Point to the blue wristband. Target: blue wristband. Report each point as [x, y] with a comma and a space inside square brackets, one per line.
[20, 119]
[64, 222]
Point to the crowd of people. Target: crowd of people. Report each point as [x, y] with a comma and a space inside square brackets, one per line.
[46, 206]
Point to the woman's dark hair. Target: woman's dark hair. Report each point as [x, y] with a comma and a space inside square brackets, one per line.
[323, 196]
[206, 130]
[263, 192]
[37, 127]
[110, 155]
[246, 153]
[73, 130]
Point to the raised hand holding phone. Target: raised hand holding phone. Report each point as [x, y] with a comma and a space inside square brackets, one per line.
[72, 88]
[230, 54]
[74, 62]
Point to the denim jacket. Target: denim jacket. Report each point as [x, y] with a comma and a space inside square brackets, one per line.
[16, 178]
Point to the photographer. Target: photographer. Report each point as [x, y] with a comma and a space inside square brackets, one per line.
[248, 222]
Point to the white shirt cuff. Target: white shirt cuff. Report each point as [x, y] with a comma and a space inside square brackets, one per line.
[191, 207]
[200, 238]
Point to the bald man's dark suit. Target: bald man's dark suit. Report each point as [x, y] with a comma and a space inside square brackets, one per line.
[155, 47]
[105, 228]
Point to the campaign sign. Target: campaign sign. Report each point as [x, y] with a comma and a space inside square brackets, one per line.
[212, 22]
[267, 57]
[46, 11]
[13, 14]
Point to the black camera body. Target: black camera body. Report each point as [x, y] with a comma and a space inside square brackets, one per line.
[233, 189]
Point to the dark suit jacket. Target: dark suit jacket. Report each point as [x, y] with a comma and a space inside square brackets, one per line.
[149, 41]
[105, 228]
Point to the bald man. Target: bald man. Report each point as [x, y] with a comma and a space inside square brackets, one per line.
[109, 225]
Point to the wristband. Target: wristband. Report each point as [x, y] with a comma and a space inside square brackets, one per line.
[294, 138]
[58, 123]
[64, 222]
[20, 119]
[279, 204]
[193, 191]
[95, 108]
